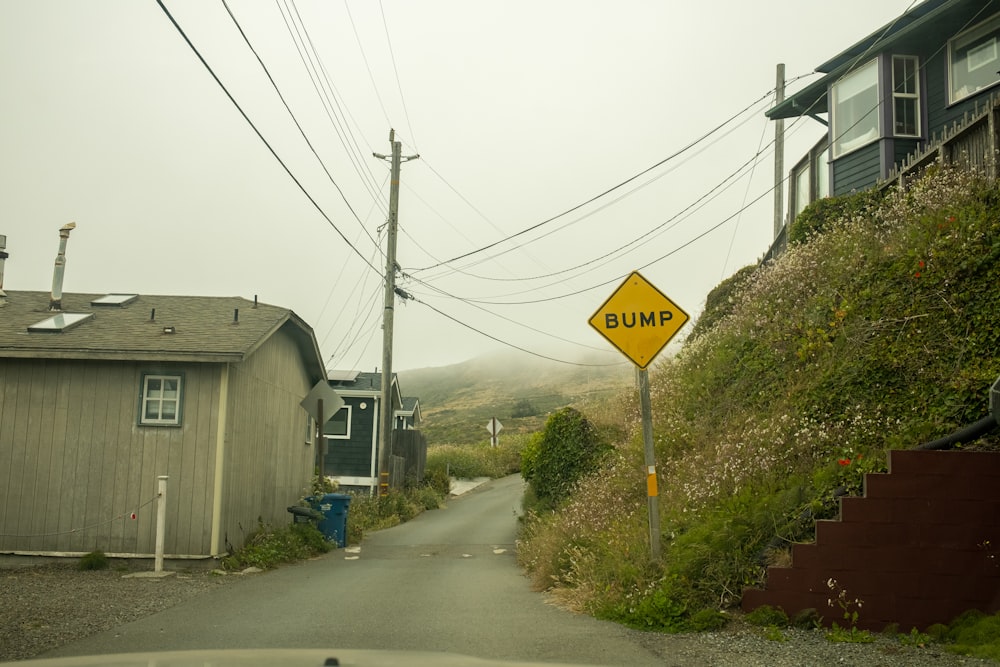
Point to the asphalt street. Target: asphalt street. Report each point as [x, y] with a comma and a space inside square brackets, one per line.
[448, 581]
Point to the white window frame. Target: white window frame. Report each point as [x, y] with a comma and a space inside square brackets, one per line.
[803, 189]
[146, 399]
[912, 98]
[870, 134]
[988, 32]
[338, 436]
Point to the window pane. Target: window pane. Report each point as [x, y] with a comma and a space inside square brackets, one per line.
[801, 189]
[168, 410]
[152, 410]
[904, 76]
[822, 176]
[906, 116]
[153, 386]
[855, 109]
[975, 59]
[338, 423]
[170, 389]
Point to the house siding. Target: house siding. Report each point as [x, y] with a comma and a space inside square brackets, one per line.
[75, 463]
[857, 171]
[353, 457]
[268, 463]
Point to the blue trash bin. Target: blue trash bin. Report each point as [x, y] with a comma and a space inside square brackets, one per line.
[334, 507]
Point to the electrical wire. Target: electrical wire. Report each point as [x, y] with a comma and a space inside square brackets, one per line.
[670, 157]
[270, 148]
[318, 74]
[395, 70]
[295, 120]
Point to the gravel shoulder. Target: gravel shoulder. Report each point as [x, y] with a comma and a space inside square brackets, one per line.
[45, 607]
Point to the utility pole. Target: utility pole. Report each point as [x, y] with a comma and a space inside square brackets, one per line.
[779, 154]
[385, 430]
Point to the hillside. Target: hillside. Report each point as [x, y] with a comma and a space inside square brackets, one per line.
[879, 330]
[458, 401]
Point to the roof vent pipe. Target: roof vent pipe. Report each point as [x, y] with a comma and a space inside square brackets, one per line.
[3, 257]
[57, 276]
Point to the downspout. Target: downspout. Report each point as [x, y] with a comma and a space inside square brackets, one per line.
[55, 303]
[216, 545]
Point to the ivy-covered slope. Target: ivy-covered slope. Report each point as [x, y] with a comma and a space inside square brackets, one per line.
[876, 331]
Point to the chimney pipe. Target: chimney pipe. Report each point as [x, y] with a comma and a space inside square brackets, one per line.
[3, 257]
[57, 276]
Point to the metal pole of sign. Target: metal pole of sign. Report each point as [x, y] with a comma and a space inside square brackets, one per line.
[320, 440]
[653, 499]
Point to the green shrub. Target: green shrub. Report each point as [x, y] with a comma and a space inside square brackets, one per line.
[975, 634]
[821, 214]
[707, 619]
[570, 447]
[269, 546]
[95, 560]
[765, 615]
[438, 479]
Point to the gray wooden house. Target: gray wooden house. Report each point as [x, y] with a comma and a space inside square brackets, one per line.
[888, 97]
[353, 432]
[100, 398]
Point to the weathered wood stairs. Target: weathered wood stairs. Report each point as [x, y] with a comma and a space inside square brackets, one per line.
[921, 546]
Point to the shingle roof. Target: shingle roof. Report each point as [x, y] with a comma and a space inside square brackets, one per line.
[932, 21]
[366, 384]
[205, 329]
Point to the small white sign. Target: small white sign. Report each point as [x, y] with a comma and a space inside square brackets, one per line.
[494, 426]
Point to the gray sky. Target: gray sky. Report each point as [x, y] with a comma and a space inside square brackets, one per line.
[520, 110]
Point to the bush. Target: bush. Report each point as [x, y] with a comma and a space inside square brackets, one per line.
[570, 447]
[268, 547]
[766, 615]
[95, 560]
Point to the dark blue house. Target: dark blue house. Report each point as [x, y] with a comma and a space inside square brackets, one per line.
[893, 96]
[352, 433]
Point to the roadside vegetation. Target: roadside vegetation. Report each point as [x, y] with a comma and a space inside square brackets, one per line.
[876, 330]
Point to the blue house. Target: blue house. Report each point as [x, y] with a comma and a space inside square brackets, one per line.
[353, 432]
[893, 98]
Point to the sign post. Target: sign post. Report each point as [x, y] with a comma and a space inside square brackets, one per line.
[494, 426]
[639, 320]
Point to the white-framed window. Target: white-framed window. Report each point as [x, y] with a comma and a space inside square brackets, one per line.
[338, 427]
[855, 109]
[802, 177]
[160, 403]
[973, 59]
[905, 96]
[822, 175]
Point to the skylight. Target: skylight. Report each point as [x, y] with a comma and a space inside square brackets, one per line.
[61, 322]
[114, 300]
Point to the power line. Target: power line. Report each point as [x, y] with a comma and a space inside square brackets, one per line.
[318, 74]
[395, 70]
[508, 344]
[302, 132]
[602, 194]
[301, 187]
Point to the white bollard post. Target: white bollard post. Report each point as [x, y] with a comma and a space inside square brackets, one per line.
[161, 519]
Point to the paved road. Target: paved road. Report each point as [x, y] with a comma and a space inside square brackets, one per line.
[447, 581]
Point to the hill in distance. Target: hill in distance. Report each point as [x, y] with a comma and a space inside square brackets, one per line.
[457, 401]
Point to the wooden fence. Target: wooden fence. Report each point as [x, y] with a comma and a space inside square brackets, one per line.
[409, 458]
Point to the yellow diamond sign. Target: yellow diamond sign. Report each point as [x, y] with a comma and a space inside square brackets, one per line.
[638, 319]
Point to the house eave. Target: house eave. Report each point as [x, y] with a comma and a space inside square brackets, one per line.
[123, 355]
